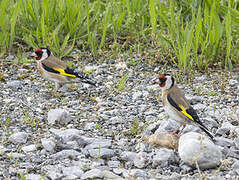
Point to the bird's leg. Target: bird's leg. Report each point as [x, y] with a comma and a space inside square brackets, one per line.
[57, 86]
[178, 132]
[54, 91]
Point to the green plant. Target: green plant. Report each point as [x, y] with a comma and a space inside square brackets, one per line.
[135, 129]
[122, 82]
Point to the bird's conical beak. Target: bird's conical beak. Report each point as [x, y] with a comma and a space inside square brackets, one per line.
[33, 55]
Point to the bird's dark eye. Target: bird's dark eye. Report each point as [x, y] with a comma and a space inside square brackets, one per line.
[162, 80]
[39, 53]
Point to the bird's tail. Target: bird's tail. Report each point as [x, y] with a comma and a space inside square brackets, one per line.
[85, 79]
[88, 82]
[207, 132]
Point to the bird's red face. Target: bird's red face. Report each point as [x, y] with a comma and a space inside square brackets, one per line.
[41, 54]
[37, 54]
[162, 79]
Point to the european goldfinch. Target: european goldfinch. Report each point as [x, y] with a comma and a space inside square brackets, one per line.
[177, 106]
[54, 69]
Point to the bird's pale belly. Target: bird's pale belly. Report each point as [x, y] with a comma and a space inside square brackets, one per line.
[173, 114]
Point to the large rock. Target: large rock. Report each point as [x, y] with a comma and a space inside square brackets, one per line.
[58, 116]
[194, 148]
[19, 138]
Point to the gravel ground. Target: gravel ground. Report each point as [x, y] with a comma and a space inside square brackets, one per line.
[87, 132]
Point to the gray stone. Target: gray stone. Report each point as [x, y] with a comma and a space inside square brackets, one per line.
[19, 138]
[141, 160]
[193, 147]
[225, 128]
[236, 141]
[101, 153]
[110, 175]
[136, 95]
[93, 174]
[2, 149]
[199, 106]
[66, 135]
[168, 126]
[16, 155]
[113, 164]
[163, 158]
[14, 84]
[73, 170]
[58, 116]
[99, 143]
[48, 144]
[236, 165]
[224, 142]
[136, 173]
[114, 120]
[66, 154]
[34, 177]
[120, 171]
[29, 148]
[98, 163]
[89, 126]
[84, 164]
[128, 156]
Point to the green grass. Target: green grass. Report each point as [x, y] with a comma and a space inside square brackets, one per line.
[197, 34]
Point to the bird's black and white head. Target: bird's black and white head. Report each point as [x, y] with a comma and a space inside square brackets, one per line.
[166, 81]
[41, 53]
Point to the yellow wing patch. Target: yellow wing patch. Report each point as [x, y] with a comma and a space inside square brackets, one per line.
[185, 112]
[62, 72]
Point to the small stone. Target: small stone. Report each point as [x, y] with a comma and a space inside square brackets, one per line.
[92, 174]
[136, 95]
[136, 173]
[48, 144]
[34, 177]
[193, 147]
[89, 126]
[73, 170]
[19, 138]
[101, 153]
[164, 157]
[29, 148]
[236, 165]
[225, 128]
[99, 143]
[168, 126]
[58, 116]
[113, 164]
[67, 135]
[72, 154]
[14, 84]
[128, 156]
[109, 175]
[199, 106]
[141, 160]
[84, 164]
[16, 155]
[120, 171]
[224, 142]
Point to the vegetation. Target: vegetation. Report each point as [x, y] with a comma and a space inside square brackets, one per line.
[191, 33]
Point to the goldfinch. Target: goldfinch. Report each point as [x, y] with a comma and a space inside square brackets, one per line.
[54, 69]
[177, 106]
